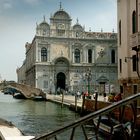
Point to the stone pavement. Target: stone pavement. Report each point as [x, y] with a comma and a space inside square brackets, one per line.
[69, 99]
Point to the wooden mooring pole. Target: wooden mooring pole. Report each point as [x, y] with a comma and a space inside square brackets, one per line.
[75, 102]
[83, 102]
[62, 98]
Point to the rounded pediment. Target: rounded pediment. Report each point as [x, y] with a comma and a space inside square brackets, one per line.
[44, 24]
[102, 79]
[61, 14]
[43, 28]
[61, 61]
[77, 27]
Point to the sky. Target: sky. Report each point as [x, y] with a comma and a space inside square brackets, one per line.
[18, 19]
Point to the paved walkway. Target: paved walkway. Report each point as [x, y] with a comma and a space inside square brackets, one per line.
[69, 99]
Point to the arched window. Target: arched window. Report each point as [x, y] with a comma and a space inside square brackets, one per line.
[89, 56]
[77, 55]
[113, 56]
[134, 22]
[77, 34]
[43, 54]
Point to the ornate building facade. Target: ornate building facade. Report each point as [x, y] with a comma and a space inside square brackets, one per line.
[61, 55]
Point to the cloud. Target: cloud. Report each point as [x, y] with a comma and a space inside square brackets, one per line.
[32, 2]
[7, 5]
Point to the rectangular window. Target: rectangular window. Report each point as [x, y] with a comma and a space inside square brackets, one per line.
[43, 54]
[120, 32]
[134, 61]
[45, 84]
[89, 56]
[75, 82]
[61, 32]
[121, 89]
[120, 65]
[135, 89]
[113, 56]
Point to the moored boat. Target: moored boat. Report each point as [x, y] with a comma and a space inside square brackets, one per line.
[39, 98]
[10, 132]
[19, 96]
[109, 126]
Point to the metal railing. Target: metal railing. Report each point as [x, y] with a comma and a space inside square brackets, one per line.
[81, 122]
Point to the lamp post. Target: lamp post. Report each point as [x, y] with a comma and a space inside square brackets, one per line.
[96, 99]
[88, 77]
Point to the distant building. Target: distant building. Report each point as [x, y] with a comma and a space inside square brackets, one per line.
[61, 54]
[128, 45]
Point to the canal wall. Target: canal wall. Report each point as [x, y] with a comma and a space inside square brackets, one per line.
[76, 105]
[66, 100]
[89, 106]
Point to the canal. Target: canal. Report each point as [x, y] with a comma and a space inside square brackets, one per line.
[34, 117]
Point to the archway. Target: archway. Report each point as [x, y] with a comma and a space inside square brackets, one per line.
[61, 80]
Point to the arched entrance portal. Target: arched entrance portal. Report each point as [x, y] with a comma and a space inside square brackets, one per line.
[61, 80]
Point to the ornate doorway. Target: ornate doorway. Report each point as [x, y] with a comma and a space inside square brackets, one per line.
[61, 80]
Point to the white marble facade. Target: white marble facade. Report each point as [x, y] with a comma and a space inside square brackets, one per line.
[61, 54]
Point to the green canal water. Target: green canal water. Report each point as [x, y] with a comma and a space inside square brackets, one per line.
[34, 117]
[38, 117]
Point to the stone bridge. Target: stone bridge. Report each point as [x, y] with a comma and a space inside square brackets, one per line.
[27, 90]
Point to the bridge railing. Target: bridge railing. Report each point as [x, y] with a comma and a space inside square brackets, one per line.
[81, 122]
